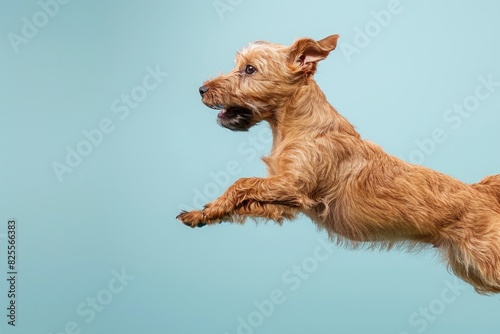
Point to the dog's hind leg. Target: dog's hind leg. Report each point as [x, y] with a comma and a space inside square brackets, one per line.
[481, 275]
[489, 185]
[476, 257]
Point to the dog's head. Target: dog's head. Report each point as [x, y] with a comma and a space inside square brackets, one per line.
[265, 77]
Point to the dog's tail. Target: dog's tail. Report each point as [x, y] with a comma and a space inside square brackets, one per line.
[490, 185]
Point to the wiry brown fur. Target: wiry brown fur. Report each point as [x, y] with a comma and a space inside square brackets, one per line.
[320, 166]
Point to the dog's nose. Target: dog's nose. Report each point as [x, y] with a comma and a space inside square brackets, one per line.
[203, 89]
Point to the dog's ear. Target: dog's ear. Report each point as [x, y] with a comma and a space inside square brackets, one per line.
[306, 52]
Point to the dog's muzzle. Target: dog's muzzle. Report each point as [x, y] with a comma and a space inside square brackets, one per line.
[234, 118]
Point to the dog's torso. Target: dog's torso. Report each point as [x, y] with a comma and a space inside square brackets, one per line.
[366, 195]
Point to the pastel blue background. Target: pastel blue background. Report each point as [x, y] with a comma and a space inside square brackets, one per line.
[116, 210]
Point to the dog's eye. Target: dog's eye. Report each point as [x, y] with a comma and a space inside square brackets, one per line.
[250, 69]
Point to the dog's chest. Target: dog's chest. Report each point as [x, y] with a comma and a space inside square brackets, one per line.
[271, 166]
[273, 161]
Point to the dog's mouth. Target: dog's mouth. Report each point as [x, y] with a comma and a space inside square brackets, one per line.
[235, 118]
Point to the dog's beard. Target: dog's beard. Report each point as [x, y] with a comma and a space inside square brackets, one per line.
[236, 118]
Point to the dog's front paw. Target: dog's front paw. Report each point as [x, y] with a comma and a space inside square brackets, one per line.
[192, 218]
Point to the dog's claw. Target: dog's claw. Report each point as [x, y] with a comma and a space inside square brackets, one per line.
[200, 224]
[180, 214]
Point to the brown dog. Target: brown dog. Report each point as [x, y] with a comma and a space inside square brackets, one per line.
[320, 166]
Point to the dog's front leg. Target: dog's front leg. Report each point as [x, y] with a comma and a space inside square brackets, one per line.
[256, 197]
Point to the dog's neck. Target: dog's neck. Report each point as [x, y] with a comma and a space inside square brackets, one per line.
[308, 114]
